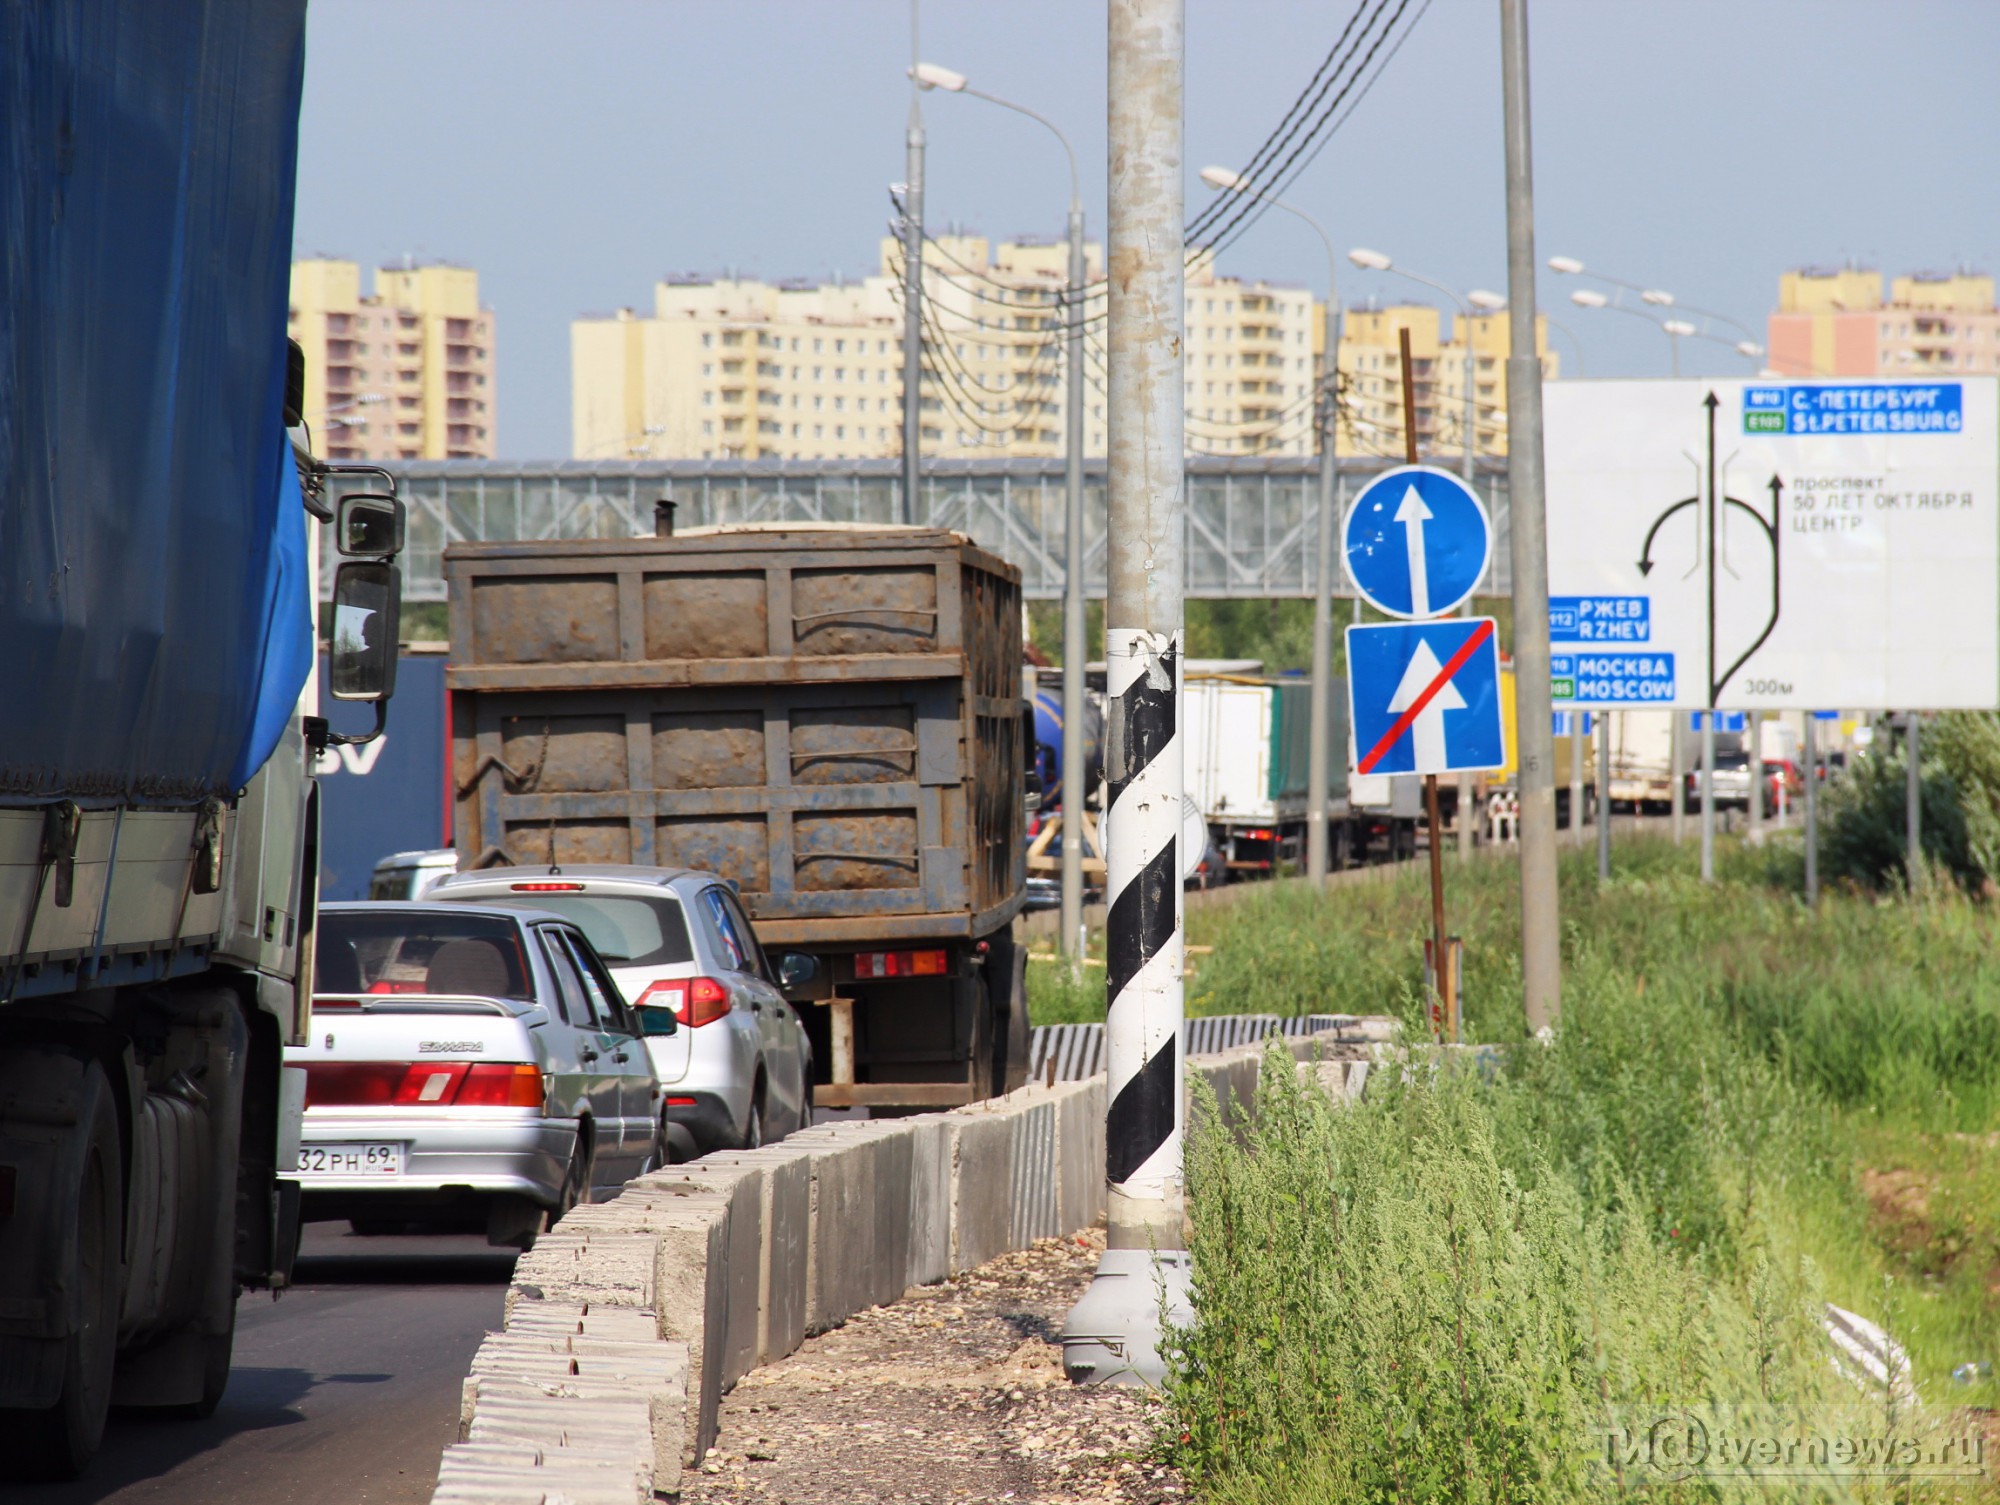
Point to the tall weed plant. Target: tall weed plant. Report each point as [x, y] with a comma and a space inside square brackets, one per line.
[1392, 1303]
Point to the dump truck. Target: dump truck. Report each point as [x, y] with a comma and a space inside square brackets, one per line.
[157, 859]
[830, 716]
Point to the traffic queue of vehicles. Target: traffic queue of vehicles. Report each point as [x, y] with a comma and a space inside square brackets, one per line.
[515, 1043]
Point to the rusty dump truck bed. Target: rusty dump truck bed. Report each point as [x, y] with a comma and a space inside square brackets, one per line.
[831, 717]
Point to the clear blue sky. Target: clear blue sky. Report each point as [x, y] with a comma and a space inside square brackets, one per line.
[574, 152]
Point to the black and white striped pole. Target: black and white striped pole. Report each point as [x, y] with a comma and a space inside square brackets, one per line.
[1112, 1336]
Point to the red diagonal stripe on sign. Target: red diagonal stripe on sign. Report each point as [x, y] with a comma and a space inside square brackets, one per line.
[1457, 661]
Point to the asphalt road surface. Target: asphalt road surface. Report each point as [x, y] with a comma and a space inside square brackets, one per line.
[344, 1392]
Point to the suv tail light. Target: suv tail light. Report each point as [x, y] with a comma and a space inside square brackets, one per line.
[424, 1084]
[694, 1000]
[899, 964]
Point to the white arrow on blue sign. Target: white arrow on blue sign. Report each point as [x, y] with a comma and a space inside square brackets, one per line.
[1417, 541]
[1424, 697]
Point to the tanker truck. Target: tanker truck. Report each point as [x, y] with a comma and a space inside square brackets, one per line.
[156, 812]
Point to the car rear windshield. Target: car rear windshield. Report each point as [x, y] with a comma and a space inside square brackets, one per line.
[625, 931]
[392, 883]
[420, 952]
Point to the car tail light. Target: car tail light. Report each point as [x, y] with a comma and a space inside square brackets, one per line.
[680, 1102]
[353, 1084]
[388, 986]
[546, 888]
[426, 1084]
[899, 964]
[1258, 833]
[694, 1000]
[501, 1084]
[423, 1084]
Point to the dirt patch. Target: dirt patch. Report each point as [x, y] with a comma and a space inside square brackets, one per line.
[1901, 1201]
[953, 1394]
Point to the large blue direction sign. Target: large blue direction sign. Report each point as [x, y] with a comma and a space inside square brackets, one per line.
[1417, 542]
[1424, 697]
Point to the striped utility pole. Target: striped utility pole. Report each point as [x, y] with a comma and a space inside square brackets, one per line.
[1113, 1333]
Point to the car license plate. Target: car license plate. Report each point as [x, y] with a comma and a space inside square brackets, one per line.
[350, 1160]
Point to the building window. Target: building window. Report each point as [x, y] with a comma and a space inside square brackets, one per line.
[707, 427]
[707, 341]
[708, 399]
[840, 347]
[818, 346]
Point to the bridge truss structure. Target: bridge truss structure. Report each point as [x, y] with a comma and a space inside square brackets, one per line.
[1251, 523]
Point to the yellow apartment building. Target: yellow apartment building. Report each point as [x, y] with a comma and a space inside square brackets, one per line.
[405, 372]
[1371, 419]
[1834, 321]
[737, 368]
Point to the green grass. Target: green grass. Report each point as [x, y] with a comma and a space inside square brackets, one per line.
[1749, 1108]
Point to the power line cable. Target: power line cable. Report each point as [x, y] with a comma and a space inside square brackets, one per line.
[1281, 134]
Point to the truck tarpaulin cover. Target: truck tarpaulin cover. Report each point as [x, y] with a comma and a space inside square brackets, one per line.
[155, 629]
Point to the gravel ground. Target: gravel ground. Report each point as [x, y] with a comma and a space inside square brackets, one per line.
[955, 1393]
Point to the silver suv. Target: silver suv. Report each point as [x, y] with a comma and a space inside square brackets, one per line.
[738, 1071]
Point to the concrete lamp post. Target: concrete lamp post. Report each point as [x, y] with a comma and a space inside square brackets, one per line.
[933, 76]
[1319, 760]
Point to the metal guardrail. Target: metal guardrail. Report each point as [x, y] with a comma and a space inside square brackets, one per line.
[1078, 1049]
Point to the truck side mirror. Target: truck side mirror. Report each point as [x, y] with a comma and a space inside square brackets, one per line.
[796, 969]
[367, 606]
[370, 526]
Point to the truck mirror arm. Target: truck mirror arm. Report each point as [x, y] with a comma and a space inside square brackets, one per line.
[320, 736]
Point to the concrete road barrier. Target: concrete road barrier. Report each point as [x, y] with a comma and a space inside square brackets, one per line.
[627, 1322]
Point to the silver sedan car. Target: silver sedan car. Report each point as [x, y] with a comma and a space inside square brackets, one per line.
[468, 1066]
[738, 1070]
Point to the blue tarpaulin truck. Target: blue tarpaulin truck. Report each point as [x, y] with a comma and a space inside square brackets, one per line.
[156, 643]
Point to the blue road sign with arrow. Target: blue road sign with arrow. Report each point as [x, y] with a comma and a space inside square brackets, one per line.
[1417, 542]
[1424, 697]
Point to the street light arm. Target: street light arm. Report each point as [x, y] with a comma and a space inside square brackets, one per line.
[1578, 269]
[1075, 179]
[1464, 308]
[1709, 313]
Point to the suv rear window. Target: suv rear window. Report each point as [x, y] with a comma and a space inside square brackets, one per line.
[419, 952]
[626, 931]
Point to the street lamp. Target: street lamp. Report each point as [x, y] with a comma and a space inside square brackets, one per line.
[1483, 302]
[1478, 300]
[1676, 330]
[1569, 266]
[934, 76]
[1319, 753]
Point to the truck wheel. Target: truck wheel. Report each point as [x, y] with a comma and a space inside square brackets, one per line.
[57, 1441]
[1007, 988]
[986, 1022]
[217, 1351]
